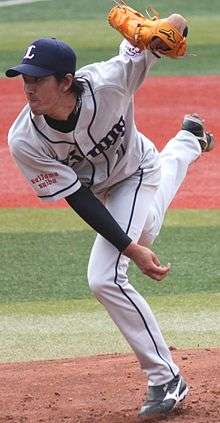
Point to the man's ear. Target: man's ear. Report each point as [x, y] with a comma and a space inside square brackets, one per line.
[67, 82]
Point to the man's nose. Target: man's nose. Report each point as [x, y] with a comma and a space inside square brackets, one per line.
[30, 87]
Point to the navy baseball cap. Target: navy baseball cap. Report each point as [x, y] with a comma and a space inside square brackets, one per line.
[44, 57]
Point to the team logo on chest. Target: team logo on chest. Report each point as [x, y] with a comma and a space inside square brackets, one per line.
[110, 139]
[74, 157]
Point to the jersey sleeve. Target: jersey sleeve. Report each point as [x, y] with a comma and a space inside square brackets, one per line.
[136, 64]
[125, 72]
[50, 179]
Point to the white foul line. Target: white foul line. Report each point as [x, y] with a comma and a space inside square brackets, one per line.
[17, 2]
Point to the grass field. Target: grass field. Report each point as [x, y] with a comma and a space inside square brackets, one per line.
[83, 24]
[44, 255]
[46, 307]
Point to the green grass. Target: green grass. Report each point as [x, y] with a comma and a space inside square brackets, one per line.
[61, 329]
[53, 265]
[83, 24]
[83, 9]
[23, 220]
[44, 255]
[47, 310]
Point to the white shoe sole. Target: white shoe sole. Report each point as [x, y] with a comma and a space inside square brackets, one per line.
[180, 398]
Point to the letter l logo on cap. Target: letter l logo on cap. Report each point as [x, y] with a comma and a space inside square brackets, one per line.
[28, 55]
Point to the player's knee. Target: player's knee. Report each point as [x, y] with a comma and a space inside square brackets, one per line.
[103, 279]
[96, 283]
[95, 286]
[103, 285]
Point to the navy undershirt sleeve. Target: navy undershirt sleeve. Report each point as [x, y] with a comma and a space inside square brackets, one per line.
[93, 212]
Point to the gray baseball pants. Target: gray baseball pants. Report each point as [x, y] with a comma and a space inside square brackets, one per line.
[139, 205]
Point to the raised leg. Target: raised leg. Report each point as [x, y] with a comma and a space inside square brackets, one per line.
[176, 157]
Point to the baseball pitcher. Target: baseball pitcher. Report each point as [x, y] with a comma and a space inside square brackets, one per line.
[76, 139]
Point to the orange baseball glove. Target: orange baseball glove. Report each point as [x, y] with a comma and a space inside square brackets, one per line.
[150, 33]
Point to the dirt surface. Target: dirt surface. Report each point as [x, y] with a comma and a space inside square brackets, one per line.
[161, 103]
[104, 389]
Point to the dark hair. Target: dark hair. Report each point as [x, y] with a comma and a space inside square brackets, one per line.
[77, 86]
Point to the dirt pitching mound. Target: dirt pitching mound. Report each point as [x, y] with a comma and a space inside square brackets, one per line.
[104, 389]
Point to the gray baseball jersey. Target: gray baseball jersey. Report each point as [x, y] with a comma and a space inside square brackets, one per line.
[105, 146]
[106, 151]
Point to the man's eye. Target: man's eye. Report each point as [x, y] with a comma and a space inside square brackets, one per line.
[39, 79]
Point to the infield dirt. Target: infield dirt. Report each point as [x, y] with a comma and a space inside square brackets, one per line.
[104, 389]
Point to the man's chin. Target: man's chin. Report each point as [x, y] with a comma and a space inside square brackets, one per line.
[36, 111]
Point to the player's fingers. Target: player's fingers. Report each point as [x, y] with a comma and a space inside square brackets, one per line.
[158, 272]
[159, 277]
[158, 269]
[156, 260]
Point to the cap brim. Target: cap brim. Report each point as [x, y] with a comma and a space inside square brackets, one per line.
[30, 70]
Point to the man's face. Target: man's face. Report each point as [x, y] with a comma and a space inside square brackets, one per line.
[43, 94]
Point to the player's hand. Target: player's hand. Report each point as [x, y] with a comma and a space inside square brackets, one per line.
[147, 261]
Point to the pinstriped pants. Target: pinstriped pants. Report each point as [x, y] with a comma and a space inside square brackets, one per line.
[139, 204]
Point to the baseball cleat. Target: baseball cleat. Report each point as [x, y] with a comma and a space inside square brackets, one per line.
[194, 124]
[162, 399]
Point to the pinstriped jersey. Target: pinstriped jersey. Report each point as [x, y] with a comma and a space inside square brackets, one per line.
[104, 148]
